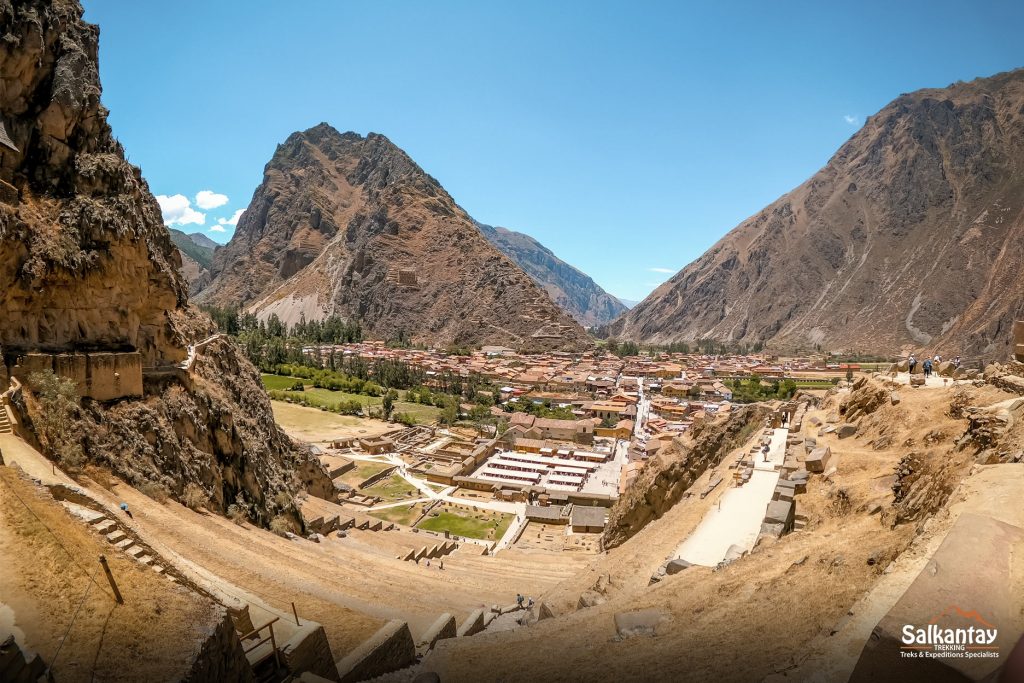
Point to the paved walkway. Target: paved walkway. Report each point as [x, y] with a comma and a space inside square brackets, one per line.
[736, 520]
[933, 382]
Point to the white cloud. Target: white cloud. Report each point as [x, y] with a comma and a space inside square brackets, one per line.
[177, 210]
[207, 199]
[216, 228]
[233, 220]
[851, 119]
[668, 271]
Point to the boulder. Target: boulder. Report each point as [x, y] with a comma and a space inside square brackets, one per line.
[675, 566]
[945, 369]
[640, 622]
[846, 430]
[917, 381]
[894, 398]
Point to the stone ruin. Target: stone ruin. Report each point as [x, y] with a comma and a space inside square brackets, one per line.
[103, 376]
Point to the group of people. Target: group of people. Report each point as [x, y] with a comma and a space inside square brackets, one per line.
[520, 599]
[930, 365]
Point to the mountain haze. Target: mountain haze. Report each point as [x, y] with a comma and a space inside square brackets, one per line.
[911, 237]
[574, 291]
[349, 225]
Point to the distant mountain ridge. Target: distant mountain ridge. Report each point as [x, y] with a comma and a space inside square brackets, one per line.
[911, 237]
[196, 257]
[573, 290]
[349, 225]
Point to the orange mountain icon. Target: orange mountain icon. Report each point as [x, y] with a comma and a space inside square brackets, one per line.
[966, 614]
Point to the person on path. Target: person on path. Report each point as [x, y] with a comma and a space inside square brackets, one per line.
[956, 362]
[927, 368]
[765, 449]
[519, 600]
[529, 604]
[124, 508]
[912, 363]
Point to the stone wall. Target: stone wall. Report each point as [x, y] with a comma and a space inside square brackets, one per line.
[308, 650]
[389, 649]
[101, 376]
[221, 658]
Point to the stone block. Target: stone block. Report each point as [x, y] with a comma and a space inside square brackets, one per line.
[818, 459]
[443, 627]
[894, 398]
[675, 566]
[917, 381]
[846, 430]
[780, 512]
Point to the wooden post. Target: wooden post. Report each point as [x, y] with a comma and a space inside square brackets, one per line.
[273, 644]
[296, 615]
[110, 578]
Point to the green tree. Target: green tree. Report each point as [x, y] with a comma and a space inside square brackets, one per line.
[388, 403]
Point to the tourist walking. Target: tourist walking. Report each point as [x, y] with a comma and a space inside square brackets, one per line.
[519, 600]
[125, 510]
[927, 368]
[912, 363]
[765, 449]
[956, 362]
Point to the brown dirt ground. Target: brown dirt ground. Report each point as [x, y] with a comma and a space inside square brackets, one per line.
[752, 618]
[45, 580]
[318, 426]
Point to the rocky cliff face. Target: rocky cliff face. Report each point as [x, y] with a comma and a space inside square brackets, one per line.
[351, 226]
[573, 291]
[910, 238]
[664, 480]
[86, 261]
[88, 266]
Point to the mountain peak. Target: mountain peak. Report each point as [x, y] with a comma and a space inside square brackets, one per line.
[904, 240]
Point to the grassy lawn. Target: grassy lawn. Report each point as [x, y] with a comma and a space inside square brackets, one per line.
[468, 525]
[401, 514]
[331, 399]
[363, 471]
[392, 489]
[278, 382]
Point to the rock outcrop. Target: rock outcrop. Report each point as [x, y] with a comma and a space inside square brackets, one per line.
[909, 238]
[664, 480]
[574, 291]
[350, 226]
[88, 268]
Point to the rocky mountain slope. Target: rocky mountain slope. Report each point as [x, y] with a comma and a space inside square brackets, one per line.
[196, 252]
[351, 226]
[574, 291]
[88, 267]
[909, 238]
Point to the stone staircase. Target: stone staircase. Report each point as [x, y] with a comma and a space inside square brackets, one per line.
[112, 531]
[5, 421]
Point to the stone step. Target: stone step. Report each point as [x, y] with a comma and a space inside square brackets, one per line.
[124, 544]
[104, 526]
[158, 569]
[145, 559]
[135, 551]
[115, 536]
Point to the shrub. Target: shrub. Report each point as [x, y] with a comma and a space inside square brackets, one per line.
[280, 525]
[154, 490]
[195, 497]
[283, 500]
[236, 514]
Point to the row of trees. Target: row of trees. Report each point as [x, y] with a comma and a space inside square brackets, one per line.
[754, 389]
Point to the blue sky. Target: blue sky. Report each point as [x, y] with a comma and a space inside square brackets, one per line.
[627, 137]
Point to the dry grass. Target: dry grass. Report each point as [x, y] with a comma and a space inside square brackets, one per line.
[45, 580]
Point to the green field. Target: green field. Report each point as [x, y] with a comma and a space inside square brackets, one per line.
[363, 471]
[468, 525]
[392, 489]
[325, 398]
[401, 514]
